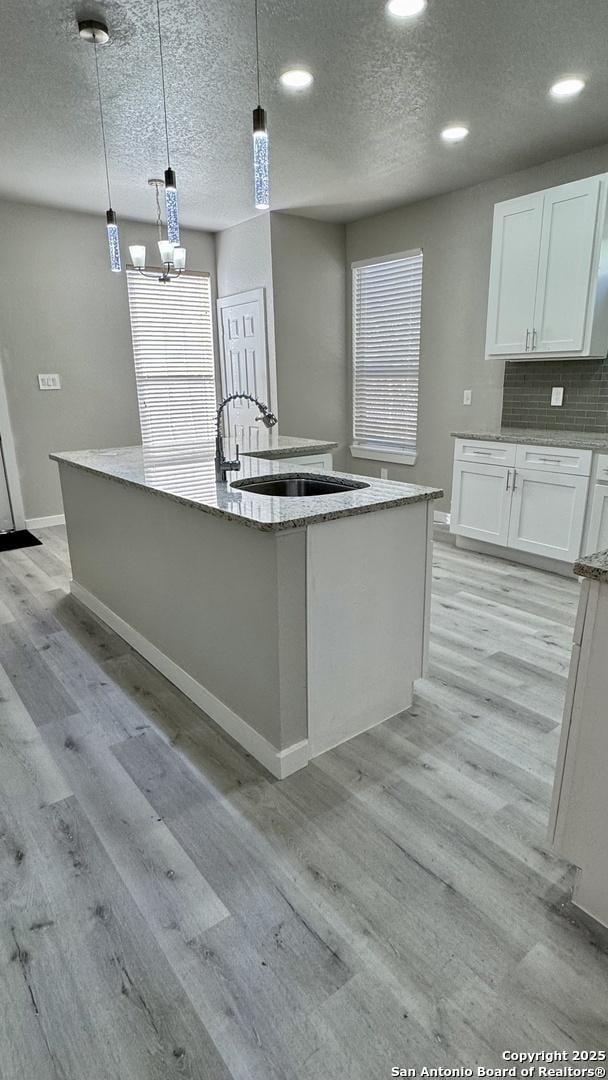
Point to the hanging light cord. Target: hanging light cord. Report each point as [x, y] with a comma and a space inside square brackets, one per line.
[103, 128]
[162, 77]
[257, 49]
[159, 218]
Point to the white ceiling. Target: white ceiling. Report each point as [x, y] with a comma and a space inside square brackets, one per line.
[365, 137]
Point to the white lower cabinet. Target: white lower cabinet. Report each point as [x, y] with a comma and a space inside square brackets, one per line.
[538, 510]
[597, 539]
[480, 501]
[548, 513]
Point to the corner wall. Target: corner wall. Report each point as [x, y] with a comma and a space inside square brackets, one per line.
[309, 275]
[455, 232]
[62, 310]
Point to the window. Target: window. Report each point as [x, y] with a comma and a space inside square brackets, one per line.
[387, 301]
[172, 331]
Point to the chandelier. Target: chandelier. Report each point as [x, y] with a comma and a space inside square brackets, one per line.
[172, 257]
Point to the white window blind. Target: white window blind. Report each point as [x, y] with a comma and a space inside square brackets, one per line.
[172, 331]
[387, 302]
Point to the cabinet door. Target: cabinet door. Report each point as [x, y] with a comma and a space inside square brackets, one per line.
[548, 513]
[481, 499]
[513, 275]
[566, 261]
[598, 525]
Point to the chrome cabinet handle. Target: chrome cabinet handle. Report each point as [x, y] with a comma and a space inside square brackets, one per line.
[533, 339]
[527, 340]
[508, 480]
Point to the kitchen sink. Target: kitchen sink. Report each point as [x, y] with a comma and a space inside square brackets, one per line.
[298, 487]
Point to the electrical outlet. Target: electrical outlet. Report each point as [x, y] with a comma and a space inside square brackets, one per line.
[467, 397]
[557, 395]
[49, 382]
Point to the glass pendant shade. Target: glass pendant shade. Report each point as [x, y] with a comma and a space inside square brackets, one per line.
[113, 241]
[260, 160]
[138, 255]
[166, 249]
[179, 258]
[171, 207]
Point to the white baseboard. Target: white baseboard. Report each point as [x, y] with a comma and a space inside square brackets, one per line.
[281, 763]
[45, 522]
[441, 517]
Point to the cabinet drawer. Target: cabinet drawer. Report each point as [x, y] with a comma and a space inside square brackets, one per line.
[602, 466]
[492, 453]
[554, 459]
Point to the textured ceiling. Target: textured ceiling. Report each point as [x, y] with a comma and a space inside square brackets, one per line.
[363, 139]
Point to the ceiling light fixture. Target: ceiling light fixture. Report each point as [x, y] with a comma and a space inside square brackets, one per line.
[296, 78]
[567, 88]
[455, 133]
[261, 178]
[170, 182]
[405, 9]
[172, 257]
[96, 33]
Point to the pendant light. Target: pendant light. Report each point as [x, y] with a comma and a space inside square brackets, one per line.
[96, 33]
[171, 208]
[261, 181]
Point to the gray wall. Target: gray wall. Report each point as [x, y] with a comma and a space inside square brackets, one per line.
[62, 310]
[308, 261]
[455, 233]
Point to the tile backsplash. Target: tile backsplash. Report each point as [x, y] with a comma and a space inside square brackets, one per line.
[527, 395]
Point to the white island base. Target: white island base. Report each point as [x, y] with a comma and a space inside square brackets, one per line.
[291, 640]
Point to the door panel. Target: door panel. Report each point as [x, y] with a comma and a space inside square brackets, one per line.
[243, 359]
[480, 501]
[566, 258]
[513, 275]
[598, 525]
[548, 513]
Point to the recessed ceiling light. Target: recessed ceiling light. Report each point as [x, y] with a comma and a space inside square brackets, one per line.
[455, 133]
[296, 79]
[567, 88]
[405, 9]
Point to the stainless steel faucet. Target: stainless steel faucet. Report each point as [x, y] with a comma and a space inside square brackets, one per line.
[222, 465]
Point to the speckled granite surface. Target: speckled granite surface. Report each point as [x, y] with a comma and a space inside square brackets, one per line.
[188, 477]
[265, 443]
[593, 566]
[572, 440]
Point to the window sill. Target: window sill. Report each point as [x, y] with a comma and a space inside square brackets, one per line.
[397, 457]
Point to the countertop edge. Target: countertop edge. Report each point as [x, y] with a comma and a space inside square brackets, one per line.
[296, 451]
[569, 440]
[262, 526]
[593, 566]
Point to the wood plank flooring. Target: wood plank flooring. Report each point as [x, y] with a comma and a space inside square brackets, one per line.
[169, 910]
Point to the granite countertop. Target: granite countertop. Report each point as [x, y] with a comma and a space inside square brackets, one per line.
[187, 476]
[593, 566]
[267, 443]
[572, 440]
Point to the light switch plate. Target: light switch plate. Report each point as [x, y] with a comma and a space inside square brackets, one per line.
[467, 397]
[557, 395]
[49, 382]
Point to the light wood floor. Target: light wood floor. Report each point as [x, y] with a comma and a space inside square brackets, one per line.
[169, 910]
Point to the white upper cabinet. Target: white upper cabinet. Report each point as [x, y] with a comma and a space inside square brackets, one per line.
[548, 292]
[513, 275]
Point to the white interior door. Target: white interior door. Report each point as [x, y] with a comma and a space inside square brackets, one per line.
[598, 525]
[513, 275]
[244, 358]
[481, 500]
[548, 513]
[566, 258]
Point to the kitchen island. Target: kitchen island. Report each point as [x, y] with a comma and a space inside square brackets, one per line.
[293, 622]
